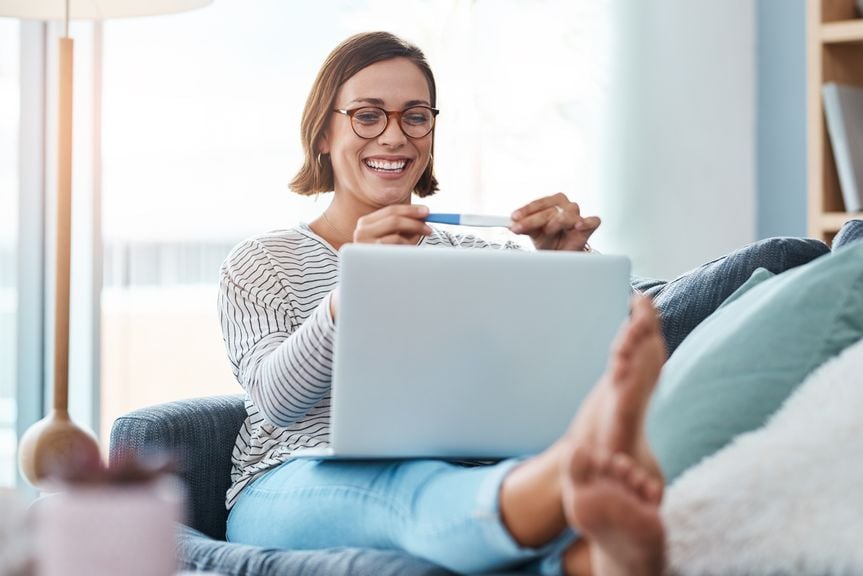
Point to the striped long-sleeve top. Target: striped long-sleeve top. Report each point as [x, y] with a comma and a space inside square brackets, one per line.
[274, 297]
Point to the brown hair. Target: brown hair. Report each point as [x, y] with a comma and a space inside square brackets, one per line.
[348, 58]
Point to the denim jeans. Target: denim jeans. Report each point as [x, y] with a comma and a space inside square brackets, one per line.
[439, 511]
[684, 302]
[447, 513]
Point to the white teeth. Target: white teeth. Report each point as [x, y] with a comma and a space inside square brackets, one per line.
[386, 164]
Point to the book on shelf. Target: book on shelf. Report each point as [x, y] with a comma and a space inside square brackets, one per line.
[843, 108]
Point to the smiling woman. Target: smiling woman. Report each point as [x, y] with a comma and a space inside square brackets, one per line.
[189, 131]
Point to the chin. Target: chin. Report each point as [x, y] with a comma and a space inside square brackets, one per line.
[387, 196]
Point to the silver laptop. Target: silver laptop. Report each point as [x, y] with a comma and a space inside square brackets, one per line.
[460, 353]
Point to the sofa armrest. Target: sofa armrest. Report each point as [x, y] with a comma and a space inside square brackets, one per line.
[200, 434]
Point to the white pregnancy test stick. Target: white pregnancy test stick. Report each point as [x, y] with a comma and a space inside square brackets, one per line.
[469, 219]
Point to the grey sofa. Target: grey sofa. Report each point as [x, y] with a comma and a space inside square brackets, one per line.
[200, 433]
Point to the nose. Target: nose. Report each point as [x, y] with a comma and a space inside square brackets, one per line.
[393, 135]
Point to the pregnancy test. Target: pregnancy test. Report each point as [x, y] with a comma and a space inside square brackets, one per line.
[469, 219]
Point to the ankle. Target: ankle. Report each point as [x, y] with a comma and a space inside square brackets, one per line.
[576, 559]
[530, 499]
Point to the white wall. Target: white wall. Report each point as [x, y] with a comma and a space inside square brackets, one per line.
[678, 176]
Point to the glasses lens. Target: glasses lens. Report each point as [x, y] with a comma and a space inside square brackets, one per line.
[417, 122]
[369, 122]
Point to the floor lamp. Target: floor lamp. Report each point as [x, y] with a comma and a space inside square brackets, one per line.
[55, 445]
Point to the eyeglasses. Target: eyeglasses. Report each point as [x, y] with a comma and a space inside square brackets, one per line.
[370, 121]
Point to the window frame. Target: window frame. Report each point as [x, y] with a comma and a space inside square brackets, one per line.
[30, 391]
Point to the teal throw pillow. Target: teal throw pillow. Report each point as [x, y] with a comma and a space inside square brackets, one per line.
[739, 365]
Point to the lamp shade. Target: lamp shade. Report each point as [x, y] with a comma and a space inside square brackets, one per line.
[94, 9]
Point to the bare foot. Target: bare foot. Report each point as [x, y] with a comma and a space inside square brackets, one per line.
[615, 504]
[612, 417]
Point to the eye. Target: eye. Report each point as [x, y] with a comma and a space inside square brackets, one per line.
[368, 116]
[417, 116]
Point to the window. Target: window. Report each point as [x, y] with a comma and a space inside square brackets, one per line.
[201, 137]
[9, 114]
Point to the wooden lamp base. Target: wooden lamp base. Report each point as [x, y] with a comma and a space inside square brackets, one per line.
[56, 447]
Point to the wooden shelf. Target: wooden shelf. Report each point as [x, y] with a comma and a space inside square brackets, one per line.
[846, 31]
[831, 222]
[834, 53]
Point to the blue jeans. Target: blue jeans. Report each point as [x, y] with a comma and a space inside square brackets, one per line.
[447, 513]
[684, 302]
[439, 511]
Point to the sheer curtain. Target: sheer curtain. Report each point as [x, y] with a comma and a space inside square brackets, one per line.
[9, 111]
[521, 87]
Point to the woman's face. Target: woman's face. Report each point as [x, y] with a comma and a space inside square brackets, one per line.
[384, 170]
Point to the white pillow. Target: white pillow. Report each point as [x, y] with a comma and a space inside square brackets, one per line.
[784, 499]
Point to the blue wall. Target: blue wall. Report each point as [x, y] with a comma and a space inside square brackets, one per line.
[781, 118]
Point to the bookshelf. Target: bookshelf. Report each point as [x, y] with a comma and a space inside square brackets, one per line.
[834, 37]
[834, 54]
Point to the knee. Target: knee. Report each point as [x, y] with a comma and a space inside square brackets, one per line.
[850, 231]
[782, 253]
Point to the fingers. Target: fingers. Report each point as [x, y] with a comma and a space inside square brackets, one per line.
[539, 205]
[555, 223]
[588, 225]
[397, 224]
[548, 215]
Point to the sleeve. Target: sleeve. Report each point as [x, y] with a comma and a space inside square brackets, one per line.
[285, 368]
[461, 240]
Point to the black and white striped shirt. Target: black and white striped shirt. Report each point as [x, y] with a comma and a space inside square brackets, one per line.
[274, 295]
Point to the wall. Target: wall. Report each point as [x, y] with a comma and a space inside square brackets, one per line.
[781, 127]
[678, 175]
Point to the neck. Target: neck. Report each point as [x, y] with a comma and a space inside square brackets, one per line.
[337, 223]
[339, 231]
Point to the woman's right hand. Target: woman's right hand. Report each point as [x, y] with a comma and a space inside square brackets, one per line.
[395, 224]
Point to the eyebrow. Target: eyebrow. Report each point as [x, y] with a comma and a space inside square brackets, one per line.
[379, 102]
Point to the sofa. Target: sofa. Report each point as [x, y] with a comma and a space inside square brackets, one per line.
[725, 382]
[200, 434]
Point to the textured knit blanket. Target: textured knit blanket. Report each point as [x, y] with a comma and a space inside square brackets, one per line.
[784, 499]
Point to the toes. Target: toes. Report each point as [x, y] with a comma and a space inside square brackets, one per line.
[623, 469]
[644, 317]
[653, 491]
[582, 465]
[643, 307]
[643, 322]
[603, 462]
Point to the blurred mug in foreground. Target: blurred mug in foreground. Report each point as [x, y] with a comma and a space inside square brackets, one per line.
[16, 546]
[122, 521]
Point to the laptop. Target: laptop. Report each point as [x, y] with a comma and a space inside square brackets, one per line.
[461, 353]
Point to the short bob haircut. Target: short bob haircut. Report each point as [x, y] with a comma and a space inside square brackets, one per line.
[348, 58]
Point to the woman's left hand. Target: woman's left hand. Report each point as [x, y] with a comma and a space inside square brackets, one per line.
[554, 223]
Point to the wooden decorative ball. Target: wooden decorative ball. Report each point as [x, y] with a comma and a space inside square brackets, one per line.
[55, 447]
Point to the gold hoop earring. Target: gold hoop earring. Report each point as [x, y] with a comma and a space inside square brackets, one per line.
[320, 165]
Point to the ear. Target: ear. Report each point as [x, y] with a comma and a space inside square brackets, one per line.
[324, 144]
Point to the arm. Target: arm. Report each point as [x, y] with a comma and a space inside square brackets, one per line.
[283, 362]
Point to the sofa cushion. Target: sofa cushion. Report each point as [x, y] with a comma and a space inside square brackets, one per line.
[738, 366]
[198, 552]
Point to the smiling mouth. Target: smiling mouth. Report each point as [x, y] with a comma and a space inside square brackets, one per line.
[387, 166]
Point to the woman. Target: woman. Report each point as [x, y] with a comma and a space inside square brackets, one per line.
[368, 134]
